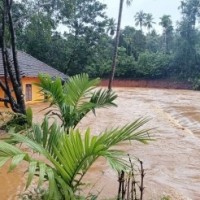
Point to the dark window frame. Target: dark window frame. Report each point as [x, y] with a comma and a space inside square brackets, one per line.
[28, 92]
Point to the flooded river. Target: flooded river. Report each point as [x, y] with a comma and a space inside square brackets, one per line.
[172, 162]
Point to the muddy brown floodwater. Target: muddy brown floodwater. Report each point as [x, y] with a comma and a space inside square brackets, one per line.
[172, 162]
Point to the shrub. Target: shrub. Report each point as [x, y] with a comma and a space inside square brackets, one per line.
[153, 65]
[18, 122]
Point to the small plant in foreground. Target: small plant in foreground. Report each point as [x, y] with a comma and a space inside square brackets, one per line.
[66, 154]
[73, 100]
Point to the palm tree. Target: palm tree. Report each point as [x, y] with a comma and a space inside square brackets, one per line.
[114, 60]
[67, 157]
[140, 19]
[149, 21]
[111, 27]
[73, 100]
[166, 23]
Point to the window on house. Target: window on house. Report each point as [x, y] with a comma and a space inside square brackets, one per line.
[28, 92]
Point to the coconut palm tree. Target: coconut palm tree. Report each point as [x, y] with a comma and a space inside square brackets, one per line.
[166, 23]
[149, 21]
[114, 60]
[111, 27]
[140, 18]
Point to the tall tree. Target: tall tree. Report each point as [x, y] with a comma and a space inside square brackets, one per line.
[10, 61]
[166, 23]
[86, 26]
[114, 60]
[153, 42]
[149, 21]
[133, 41]
[190, 9]
[111, 26]
[140, 18]
[187, 48]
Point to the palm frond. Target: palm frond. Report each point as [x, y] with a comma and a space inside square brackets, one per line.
[51, 88]
[128, 132]
[16, 160]
[45, 134]
[31, 173]
[78, 88]
[103, 98]
[36, 167]
[75, 98]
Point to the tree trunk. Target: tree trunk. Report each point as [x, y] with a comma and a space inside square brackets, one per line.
[17, 82]
[114, 60]
[11, 69]
[165, 40]
[5, 87]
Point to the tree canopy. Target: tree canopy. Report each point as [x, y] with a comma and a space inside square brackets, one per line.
[88, 41]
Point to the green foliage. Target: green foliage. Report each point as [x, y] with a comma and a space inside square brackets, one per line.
[133, 41]
[165, 198]
[75, 98]
[149, 21]
[87, 45]
[19, 122]
[100, 61]
[126, 65]
[70, 52]
[29, 116]
[195, 83]
[87, 26]
[153, 65]
[153, 42]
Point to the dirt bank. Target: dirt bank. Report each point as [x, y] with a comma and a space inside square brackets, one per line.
[168, 84]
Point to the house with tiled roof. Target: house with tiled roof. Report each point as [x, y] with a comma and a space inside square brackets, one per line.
[29, 68]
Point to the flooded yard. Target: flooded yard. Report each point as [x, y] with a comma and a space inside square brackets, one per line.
[171, 162]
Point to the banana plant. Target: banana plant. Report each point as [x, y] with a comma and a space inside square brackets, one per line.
[66, 158]
[71, 101]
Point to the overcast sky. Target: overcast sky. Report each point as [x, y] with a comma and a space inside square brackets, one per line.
[156, 7]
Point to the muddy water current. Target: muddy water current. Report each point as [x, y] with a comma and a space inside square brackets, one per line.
[171, 162]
